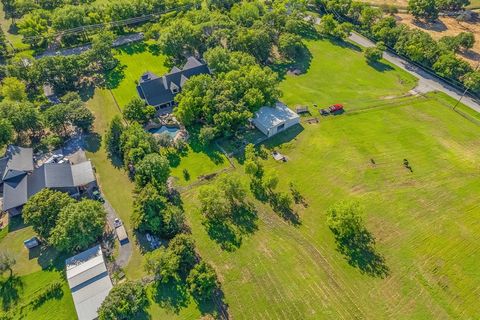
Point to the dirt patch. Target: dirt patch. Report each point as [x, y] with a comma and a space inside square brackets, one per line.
[447, 26]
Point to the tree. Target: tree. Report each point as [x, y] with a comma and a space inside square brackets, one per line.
[345, 220]
[221, 60]
[154, 169]
[328, 24]
[79, 225]
[368, 16]
[183, 247]
[232, 190]
[173, 221]
[449, 66]
[202, 282]
[163, 264]
[101, 51]
[42, 210]
[112, 137]
[180, 38]
[149, 206]
[418, 46]
[13, 89]
[136, 143]
[472, 81]
[212, 205]
[125, 301]
[452, 5]
[206, 135]
[423, 9]
[465, 40]
[6, 132]
[290, 46]
[58, 118]
[374, 54]
[7, 261]
[137, 110]
[23, 116]
[255, 41]
[82, 118]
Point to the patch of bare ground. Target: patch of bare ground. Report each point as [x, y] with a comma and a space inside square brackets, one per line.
[447, 26]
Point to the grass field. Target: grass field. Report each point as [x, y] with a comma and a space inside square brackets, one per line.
[349, 80]
[425, 222]
[33, 271]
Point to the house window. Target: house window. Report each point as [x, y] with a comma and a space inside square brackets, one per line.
[281, 127]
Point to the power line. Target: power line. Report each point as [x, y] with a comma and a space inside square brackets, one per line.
[116, 23]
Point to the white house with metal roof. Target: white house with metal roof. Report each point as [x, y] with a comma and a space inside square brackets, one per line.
[89, 282]
[272, 120]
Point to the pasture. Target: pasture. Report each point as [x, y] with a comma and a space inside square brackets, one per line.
[425, 222]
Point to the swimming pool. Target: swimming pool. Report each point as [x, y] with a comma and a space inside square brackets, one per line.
[172, 131]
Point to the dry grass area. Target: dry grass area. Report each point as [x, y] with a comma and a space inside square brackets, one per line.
[403, 4]
[448, 27]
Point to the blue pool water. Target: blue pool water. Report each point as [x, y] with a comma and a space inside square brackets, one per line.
[172, 131]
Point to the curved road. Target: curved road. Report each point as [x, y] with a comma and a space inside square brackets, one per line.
[426, 82]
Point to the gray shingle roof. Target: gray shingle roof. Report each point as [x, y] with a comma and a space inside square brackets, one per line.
[19, 186]
[158, 90]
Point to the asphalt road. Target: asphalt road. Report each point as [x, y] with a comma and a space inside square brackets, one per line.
[426, 81]
[77, 50]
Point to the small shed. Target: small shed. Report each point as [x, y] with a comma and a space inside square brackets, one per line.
[31, 243]
[272, 120]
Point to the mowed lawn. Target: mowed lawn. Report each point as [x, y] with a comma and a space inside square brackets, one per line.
[426, 222]
[134, 60]
[338, 73]
[33, 272]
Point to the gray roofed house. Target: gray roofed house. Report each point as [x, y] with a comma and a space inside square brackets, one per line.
[160, 91]
[272, 120]
[89, 282]
[21, 180]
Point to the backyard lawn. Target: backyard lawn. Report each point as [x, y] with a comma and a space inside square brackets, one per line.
[425, 222]
[134, 60]
[32, 272]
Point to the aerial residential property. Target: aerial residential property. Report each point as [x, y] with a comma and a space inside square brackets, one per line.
[21, 179]
[241, 159]
[160, 91]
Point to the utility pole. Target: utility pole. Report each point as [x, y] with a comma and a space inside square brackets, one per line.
[466, 89]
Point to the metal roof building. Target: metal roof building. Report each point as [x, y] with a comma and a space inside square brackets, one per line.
[89, 282]
[272, 120]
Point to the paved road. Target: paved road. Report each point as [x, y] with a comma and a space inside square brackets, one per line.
[125, 250]
[77, 50]
[426, 82]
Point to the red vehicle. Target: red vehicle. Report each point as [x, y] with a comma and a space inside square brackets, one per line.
[335, 108]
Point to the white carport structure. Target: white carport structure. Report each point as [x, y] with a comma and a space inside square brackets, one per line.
[272, 120]
[89, 282]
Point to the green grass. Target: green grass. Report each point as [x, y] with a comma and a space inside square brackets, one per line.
[33, 270]
[134, 60]
[339, 74]
[424, 222]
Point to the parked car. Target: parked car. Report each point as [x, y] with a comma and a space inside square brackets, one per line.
[98, 196]
[335, 108]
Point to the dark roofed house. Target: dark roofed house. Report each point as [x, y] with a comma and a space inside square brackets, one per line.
[21, 180]
[160, 91]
